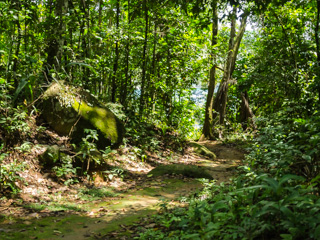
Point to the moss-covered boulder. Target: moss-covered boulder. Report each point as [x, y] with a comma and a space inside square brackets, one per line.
[190, 171]
[50, 156]
[202, 150]
[69, 111]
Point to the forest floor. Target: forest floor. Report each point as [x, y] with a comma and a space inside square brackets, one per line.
[118, 210]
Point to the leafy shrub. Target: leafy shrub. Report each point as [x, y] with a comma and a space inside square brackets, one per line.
[88, 148]
[66, 170]
[286, 146]
[268, 210]
[275, 196]
[9, 176]
[13, 121]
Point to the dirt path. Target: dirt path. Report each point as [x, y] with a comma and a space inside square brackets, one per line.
[111, 214]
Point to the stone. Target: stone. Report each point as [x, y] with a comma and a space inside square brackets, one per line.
[69, 111]
[50, 156]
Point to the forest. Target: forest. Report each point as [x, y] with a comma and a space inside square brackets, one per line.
[160, 119]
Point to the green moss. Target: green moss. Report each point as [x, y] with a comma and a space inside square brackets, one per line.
[185, 170]
[69, 111]
[202, 150]
[50, 156]
[100, 118]
[45, 228]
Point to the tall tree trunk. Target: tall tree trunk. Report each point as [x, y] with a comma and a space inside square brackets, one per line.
[168, 94]
[144, 59]
[220, 102]
[15, 61]
[207, 131]
[56, 42]
[100, 14]
[115, 65]
[154, 70]
[124, 87]
[318, 45]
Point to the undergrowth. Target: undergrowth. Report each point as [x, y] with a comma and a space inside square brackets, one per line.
[274, 196]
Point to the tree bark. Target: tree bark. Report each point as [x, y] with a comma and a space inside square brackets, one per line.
[124, 87]
[220, 102]
[115, 65]
[144, 60]
[207, 131]
[56, 41]
[246, 113]
[15, 61]
[318, 45]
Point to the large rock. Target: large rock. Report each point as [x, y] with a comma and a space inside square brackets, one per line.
[70, 110]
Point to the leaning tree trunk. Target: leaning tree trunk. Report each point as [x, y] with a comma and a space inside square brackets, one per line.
[246, 114]
[220, 102]
[207, 131]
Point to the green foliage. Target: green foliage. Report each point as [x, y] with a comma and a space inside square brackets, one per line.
[274, 196]
[115, 172]
[269, 209]
[9, 175]
[88, 149]
[15, 121]
[24, 147]
[287, 145]
[66, 170]
[146, 60]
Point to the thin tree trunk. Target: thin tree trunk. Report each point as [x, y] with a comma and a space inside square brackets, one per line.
[15, 61]
[154, 70]
[318, 44]
[124, 91]
[144, 63]
[115, 65]
[100, 14]
[207, 131]
[56, 43]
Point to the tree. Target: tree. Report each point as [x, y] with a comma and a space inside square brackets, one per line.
[56, 24]
[220, 101]
[207, 132]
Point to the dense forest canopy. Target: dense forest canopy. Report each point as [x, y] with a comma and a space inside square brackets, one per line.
[147, 55]
[256, 63]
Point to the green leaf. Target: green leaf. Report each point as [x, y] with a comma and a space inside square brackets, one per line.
[286, 236]
[21, 86]
[306, 157]
[287, 212]
[288, 177]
